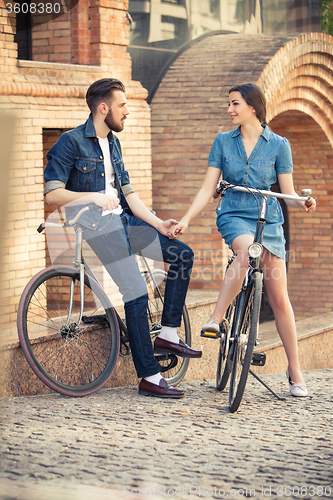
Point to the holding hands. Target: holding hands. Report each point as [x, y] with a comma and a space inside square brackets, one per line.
[166, 227]
[178, 229]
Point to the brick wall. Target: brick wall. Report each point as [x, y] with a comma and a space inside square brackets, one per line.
[188, 110]
[93, 32]
[24, 248]
[7, 46]
[48, 97]
[51, 41]
[190, 107]
[311, 250]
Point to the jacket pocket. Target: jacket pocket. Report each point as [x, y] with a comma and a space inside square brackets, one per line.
[84, 173]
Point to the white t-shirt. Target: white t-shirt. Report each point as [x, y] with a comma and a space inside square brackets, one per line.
[109, 175]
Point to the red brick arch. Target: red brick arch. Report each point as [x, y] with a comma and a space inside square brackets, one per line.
[189, 109]
[299, 78]
[298, 83]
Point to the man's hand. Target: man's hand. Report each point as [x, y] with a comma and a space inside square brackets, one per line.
[105, 201]
[178, 229]
[166, 226]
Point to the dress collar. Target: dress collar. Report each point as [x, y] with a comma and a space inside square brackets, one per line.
[265, 133]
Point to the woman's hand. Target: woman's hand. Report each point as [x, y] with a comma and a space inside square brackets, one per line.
[309, 205]
[178, 229]
[287, 187]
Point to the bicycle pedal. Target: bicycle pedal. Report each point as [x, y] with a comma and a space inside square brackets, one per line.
[258, 358]
[210, 335]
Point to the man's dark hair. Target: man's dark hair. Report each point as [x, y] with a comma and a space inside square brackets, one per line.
[102, 90]
[254, 96]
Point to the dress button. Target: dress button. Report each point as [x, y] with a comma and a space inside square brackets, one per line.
[101, 157]
[84, 168]
[93, 225]
[102, 174]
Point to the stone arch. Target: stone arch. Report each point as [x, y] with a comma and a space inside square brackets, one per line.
[188, 111]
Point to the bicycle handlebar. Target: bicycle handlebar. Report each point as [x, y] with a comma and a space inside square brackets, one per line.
[67, 223]
[223, 186]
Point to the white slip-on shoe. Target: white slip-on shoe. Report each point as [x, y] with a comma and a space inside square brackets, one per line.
[211, 326]
[298, 390]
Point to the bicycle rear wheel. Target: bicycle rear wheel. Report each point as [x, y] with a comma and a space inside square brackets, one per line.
[223, 363]
[70, 359]
[172, 367]
[244, 339]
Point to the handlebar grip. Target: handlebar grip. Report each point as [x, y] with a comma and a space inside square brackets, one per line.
[41, 228]
[308, 202]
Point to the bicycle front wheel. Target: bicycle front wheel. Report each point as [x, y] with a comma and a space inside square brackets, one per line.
[172, 367]
[71, 358]
[223, 364]
[244, 339]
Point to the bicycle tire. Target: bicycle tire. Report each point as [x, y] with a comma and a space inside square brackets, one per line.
[74, 361]
[173, 373]
[223, 366]
[244, 340]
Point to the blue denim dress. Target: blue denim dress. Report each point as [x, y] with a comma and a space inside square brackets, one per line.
[239, 212]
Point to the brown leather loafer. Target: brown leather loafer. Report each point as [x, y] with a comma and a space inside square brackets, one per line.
[181, 349]
[162, 390]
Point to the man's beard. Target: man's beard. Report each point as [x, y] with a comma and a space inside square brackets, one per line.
[110, 122]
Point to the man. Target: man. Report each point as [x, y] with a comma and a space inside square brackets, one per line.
[85, 166]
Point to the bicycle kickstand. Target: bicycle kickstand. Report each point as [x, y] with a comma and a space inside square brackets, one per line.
[267, 387]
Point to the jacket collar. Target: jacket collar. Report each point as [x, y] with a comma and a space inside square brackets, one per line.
[91, 132]
[265, 133]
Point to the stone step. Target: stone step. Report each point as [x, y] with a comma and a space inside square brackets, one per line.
[315, 344]
[315, 337]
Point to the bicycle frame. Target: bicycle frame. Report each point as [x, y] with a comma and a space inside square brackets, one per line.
[80, 265]
[83, 268]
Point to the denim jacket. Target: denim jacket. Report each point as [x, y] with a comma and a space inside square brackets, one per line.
[76, 163]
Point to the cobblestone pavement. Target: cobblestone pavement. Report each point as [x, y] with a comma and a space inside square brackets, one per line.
[116, 444]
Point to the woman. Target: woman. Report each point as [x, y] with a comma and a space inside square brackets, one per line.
[252, 156]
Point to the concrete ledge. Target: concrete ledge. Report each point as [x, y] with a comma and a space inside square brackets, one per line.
[315, 346]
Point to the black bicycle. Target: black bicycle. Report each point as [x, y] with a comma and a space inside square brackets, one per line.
[71, 334]
[240, 326]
